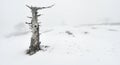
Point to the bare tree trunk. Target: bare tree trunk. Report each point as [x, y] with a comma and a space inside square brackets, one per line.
[34, 25]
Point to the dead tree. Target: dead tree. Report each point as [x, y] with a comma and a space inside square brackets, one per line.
[34, 26]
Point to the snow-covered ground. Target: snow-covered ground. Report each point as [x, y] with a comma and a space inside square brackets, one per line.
[79, 45]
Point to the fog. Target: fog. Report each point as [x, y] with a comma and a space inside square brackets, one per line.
[65, 12]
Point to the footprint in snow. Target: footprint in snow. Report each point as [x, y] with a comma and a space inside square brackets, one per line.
[69, 33]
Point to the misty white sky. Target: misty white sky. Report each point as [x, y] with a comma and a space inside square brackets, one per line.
[70, 12]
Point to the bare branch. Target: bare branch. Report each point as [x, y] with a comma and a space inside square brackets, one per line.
[29, 17]
[45, 7]
[28, 6]
[27, 23]
[39, 15]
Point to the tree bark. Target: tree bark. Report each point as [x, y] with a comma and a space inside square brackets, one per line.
[34, 25]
